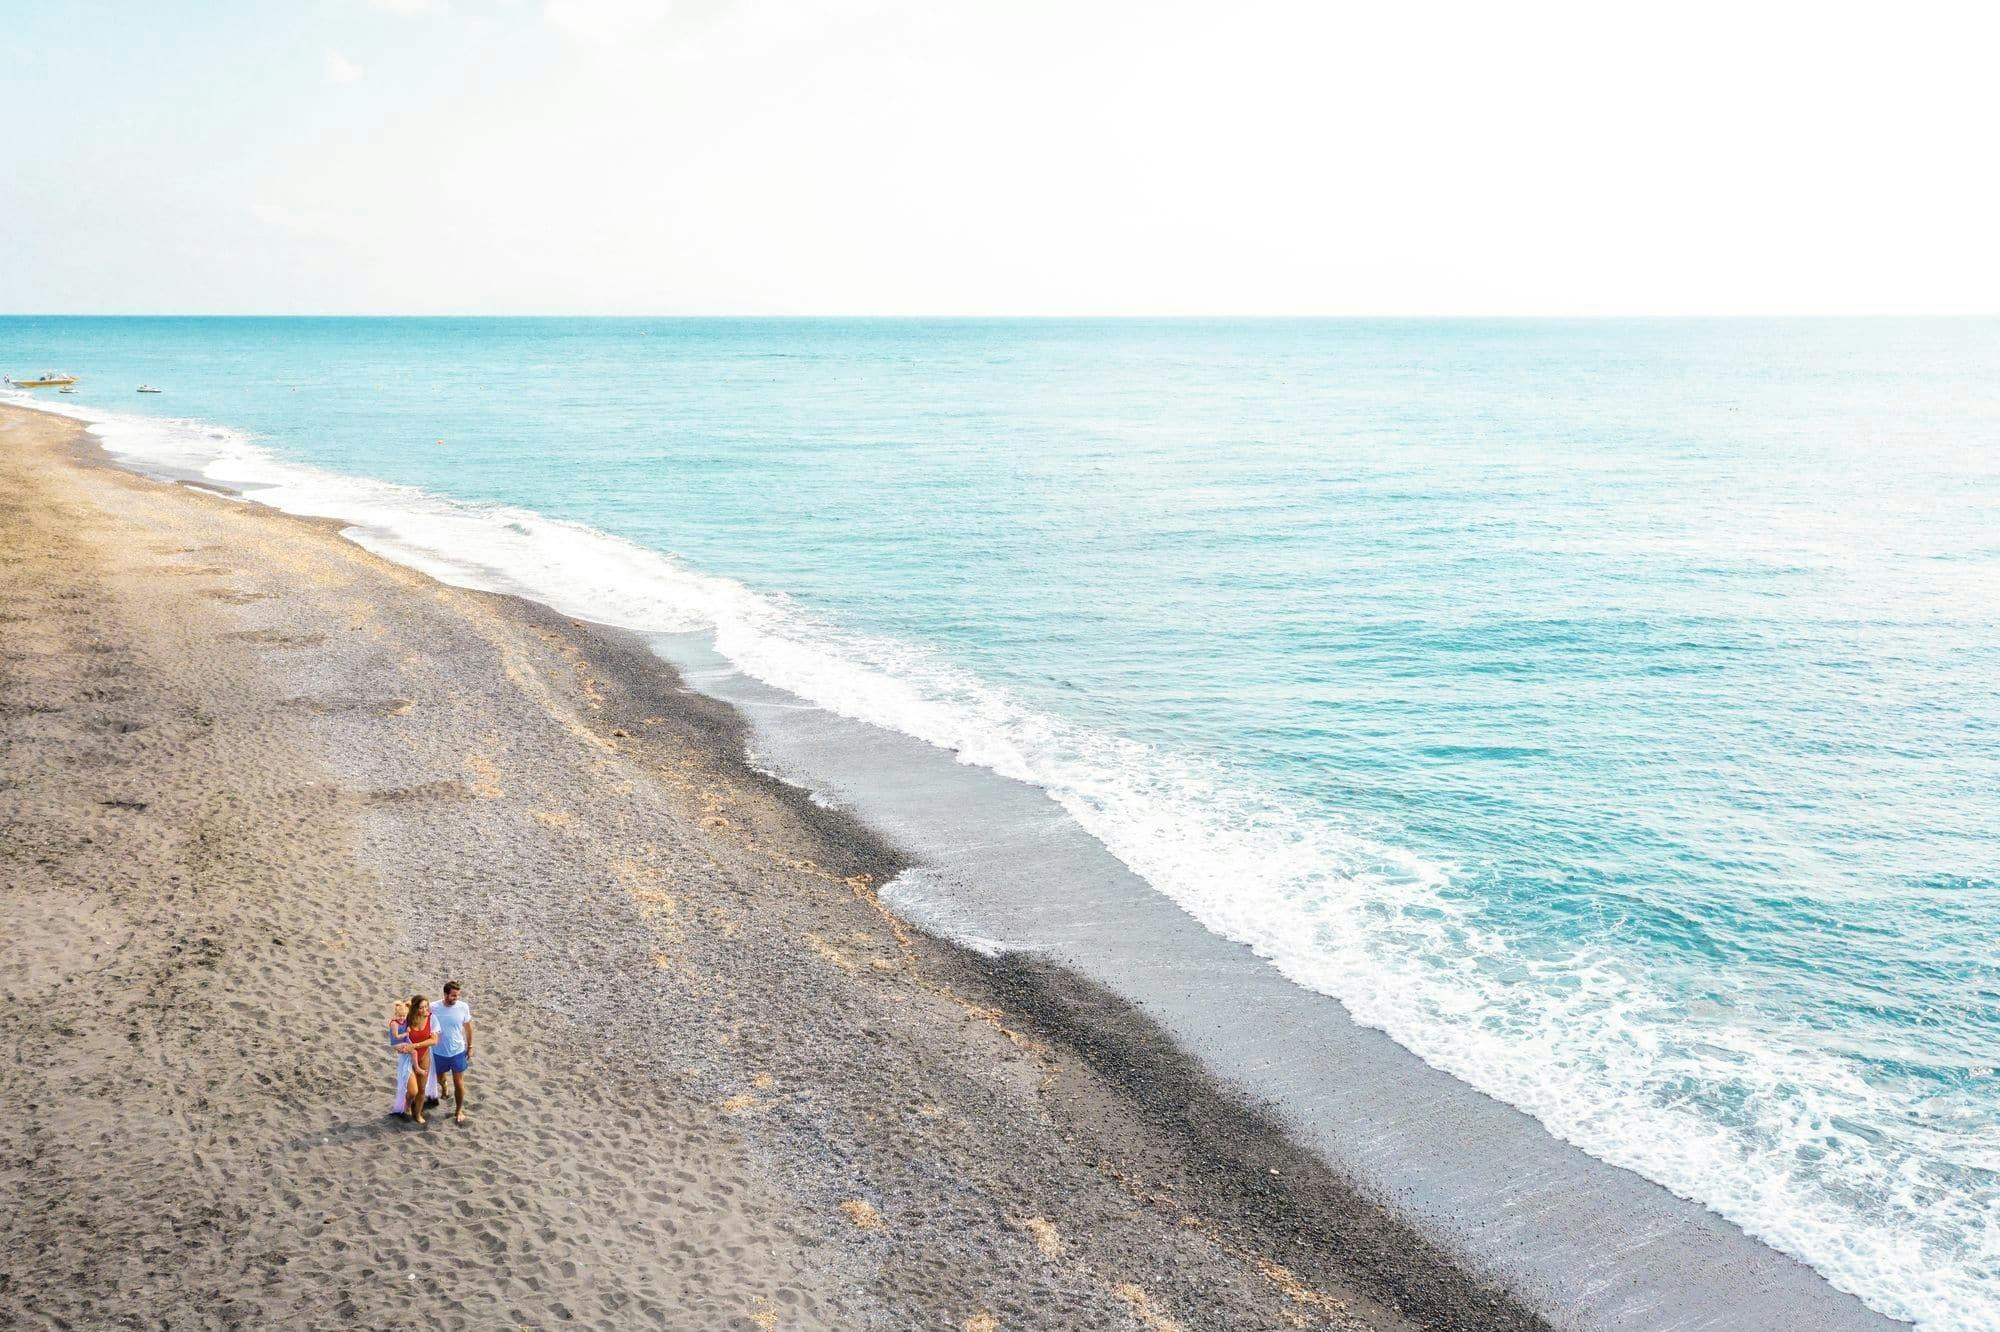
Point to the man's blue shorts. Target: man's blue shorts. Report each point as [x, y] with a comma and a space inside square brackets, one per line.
[450, 1063]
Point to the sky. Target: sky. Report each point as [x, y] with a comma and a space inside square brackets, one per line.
[1113, 157]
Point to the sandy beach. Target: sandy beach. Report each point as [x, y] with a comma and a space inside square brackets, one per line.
[257, 782]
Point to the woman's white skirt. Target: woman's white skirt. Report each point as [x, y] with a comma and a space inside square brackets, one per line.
[397, 1106]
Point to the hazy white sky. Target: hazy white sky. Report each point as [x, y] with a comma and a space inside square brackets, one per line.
[925, 156]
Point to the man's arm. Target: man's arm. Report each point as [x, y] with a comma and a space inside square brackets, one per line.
[468, 1038]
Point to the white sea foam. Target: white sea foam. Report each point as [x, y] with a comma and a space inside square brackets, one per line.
[1598, 1054]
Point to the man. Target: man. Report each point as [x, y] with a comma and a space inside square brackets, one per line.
[453, 1020]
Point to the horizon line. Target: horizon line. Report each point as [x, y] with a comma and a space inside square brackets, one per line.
[1237, 315]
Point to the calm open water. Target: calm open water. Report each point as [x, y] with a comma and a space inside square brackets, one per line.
[1610, 711]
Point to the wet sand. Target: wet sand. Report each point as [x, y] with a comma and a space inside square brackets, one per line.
[1584, 1242]
[255, 782]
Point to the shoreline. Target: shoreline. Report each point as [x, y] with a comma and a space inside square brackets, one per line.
[1402, 1133]
[1586, 1243]
[261, 770]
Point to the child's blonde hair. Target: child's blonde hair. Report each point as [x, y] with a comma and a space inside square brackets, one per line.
[401, 1008]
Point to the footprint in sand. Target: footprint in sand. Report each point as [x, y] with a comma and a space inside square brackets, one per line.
[379, 707]
[276, 638]
[406, 795]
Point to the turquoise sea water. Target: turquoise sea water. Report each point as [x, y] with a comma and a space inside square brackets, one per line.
[1610, 711]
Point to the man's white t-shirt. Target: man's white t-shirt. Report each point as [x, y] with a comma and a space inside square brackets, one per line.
[450, 1020]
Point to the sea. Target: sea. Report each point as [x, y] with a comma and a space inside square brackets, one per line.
[1608, 711]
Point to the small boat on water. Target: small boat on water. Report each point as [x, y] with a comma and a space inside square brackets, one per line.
[147, 388]
[67, 388]
[47, 379]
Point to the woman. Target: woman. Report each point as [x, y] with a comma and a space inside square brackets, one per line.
[399, 1042]
[419, 1036]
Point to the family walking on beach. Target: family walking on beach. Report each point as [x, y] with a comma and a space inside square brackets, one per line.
[428, 1042]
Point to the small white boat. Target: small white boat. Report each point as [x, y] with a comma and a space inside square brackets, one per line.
[67, 388]
[147, 388]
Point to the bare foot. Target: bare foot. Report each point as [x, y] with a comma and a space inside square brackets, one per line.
[458, 1117]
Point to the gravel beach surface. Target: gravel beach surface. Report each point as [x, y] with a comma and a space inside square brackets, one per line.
[255, 783]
